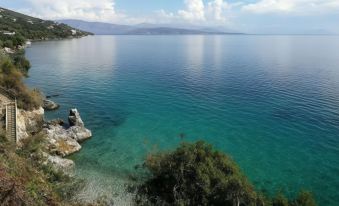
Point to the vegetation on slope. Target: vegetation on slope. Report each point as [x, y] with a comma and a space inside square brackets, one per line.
[15, 30]
[195, 174]
[27, 27]
[12, 71]
[26, 178]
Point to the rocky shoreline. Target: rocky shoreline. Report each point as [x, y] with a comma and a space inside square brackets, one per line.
[60, 139]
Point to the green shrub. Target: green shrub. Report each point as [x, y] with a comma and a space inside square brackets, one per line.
[21, 63]
[195, 174]
[9, 44]
[304, 198]
[280, 200]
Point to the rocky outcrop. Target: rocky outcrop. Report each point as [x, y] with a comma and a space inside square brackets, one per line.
[59, 141]
[77, 128]
[49, 105]
[78, 133]
[65, 141]
[29, 122]
[74, 118]
[59, 163]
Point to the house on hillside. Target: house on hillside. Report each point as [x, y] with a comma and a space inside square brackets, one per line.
[8, 33]
[74, 32]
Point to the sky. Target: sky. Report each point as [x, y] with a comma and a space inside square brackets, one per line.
[248, 16]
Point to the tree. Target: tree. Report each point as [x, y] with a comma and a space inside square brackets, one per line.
[8, 43]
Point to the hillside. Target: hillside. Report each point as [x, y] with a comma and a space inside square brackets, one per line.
[15, 30]
[139, 29]
[33, 28]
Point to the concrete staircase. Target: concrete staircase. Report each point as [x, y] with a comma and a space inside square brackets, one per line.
[11, 121]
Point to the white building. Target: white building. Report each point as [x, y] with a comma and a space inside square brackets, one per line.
[74, 32]
[8, 33]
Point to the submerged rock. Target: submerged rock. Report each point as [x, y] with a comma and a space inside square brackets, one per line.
[50, 96]
[50, 105]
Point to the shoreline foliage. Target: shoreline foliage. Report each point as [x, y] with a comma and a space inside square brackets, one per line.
[196, 174]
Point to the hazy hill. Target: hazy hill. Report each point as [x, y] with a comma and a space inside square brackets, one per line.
[34, 28]
[139, 29]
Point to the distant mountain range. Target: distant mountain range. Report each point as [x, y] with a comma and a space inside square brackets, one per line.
[100, 28]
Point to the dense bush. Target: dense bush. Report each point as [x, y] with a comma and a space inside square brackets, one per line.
[12, 41]
[195, 174]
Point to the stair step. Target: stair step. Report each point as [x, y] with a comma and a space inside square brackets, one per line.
[11, 120]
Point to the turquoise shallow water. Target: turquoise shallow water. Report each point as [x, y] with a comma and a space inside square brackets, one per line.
[271, 102]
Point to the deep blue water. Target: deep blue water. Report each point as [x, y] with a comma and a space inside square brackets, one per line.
[271, 102]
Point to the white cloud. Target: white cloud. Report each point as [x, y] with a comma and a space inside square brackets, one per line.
[195, 11]
[302, 7]
[217, 9]
[214, 12]
[92, 10]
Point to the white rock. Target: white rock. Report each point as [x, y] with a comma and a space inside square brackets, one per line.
[29, 122]
[60, 164]
[79, 133]
[74, 118]
[60, 141]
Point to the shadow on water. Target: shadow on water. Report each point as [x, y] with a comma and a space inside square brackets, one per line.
[290, 114]
[285, 114]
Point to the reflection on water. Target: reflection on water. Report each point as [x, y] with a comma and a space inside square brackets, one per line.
[271, 102]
